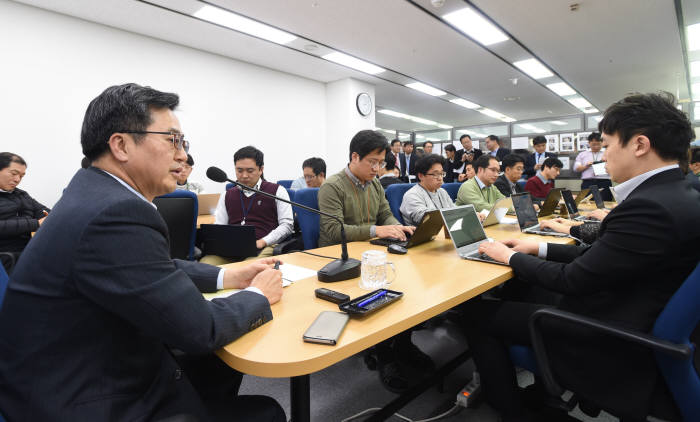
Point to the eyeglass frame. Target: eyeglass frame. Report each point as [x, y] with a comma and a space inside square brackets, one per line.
[437, 176]
[178, 139]
[378, 164]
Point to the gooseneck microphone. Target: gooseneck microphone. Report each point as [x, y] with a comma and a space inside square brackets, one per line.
[341, 269]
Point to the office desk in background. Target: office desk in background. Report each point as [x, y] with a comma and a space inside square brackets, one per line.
[432, 276]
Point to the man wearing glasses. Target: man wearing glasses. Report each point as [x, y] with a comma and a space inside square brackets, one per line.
[427, 195]
[480, 190]
[95, 305]
[183, 182]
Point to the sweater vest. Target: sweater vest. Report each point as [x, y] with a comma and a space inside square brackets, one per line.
[263, 210]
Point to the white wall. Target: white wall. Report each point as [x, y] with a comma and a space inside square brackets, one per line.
[52, 66]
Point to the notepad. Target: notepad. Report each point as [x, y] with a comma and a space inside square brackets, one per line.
[599, 169]
[290, 274]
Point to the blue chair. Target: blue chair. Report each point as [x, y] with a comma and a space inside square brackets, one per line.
[394, 194]
[522, 183]
[286, 183]
[229, 186]
[291, 194]
[670, 342]
[4, 279]
[309, 223]
[452, 189]
[179, 210]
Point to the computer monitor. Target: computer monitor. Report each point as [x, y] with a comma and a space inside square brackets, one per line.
[463, 225]
[527, 216]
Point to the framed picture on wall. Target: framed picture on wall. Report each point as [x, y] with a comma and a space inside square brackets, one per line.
[566, 164]
[552, 143]
[566, 142]
[582, 141]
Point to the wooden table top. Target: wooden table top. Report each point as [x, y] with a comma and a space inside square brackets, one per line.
[432, 276]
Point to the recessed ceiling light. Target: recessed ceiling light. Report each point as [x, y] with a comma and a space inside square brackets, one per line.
[413, 118]
[533, 68]
[558, 123]
[508, 119]
[441, 126]
[464, 103]
[694, 69]
[426, 89]
[579, 102]
[561, 89]
[239, 23]
[591, 110]
[527, 126]
[598, 118]
[694, 37]
[490, 113]
[475, 26]
[394, 114]
[353, 62]
[423, 121]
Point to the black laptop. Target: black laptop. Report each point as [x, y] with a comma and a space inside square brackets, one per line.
[228, 241]
[597, 197]
[572, 207]
[527, 217]
[426, 231]
[551, 203]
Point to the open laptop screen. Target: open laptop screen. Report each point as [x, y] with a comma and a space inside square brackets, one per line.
[464, 225]
[527, 216]
[597, 197]
[569, 201]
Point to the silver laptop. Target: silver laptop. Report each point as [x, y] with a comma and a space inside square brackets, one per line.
[466, 232]
[498, 211]
[527, 216]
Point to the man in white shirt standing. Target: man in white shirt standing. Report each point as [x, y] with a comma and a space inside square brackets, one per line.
[584, 165]
[273, 220]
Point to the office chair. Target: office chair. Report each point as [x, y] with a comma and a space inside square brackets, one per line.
[179, 210]
[394, 194]
[452, 189]
[229, 186]
[670, 341]
[309, 222]
[522, 183]
[285, 183]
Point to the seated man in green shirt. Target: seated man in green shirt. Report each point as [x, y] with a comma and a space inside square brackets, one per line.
[357, 198]
[480, 190]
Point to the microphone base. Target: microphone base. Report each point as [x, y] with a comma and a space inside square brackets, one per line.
[340, 270]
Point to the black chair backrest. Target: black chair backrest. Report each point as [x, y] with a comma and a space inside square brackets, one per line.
[178, 214]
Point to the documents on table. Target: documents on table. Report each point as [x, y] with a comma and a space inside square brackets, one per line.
[290, 274]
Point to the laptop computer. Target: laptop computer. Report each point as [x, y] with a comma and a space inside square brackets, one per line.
[207, 203]
[597, 197]
[572, 207]
[527, 217]
[551, 203]
[426, 231]
[228, 241]
[582, 195]
[498, 211]
[466, 232]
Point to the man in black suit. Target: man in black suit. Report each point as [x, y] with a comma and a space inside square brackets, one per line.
[468, 154]
[451, 166]
[408, 160]
[513, 169]
[95, 304]
[493, 144]
[534, 161]
[645, 251]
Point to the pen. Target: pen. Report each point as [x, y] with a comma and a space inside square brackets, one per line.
[372, 299]
[277, 265]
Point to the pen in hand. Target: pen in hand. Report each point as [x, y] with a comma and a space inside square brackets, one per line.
[277, 265]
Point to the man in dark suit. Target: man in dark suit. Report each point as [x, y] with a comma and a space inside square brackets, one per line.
[493, 144]
[408, 160]
[468, 154]
[644, 252]
[451, 166]
[534, 161]
[96, 303]
[513, 169]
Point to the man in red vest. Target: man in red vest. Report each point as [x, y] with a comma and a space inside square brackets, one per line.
[273, 220]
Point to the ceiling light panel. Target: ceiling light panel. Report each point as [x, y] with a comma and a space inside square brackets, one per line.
[354, 63]
[558, 123]
[426, 89]
[242, 24]
[533, 68]
[561, 89]
[579, 102]
[464, 103]
[475, 26]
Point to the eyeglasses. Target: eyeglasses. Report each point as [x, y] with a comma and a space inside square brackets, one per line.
[309, 177]
[437, 175]
[178, 139]
[377, 164]
[494, 169]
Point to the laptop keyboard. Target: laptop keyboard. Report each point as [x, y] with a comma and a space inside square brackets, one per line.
[389, 241]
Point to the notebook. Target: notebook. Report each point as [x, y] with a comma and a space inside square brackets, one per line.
[426, 231]
[527, 216]
[467, 233]
[498, 211]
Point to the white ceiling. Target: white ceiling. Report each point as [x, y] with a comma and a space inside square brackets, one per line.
[604, 50]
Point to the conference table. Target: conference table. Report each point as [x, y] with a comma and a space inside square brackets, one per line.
[432, 277]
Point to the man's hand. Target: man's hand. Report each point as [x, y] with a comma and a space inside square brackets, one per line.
[536, 207]
[260, 243]
[538, 166]
[598, 214]
[555, 225]
[41, 220]
[396, 232]
[464, 157]
[269, 282]
[529, 247]
[241, 277]
[462, 177]
[496, 250]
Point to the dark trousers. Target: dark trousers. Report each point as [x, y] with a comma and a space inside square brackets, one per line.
[8, 260]
[218, 384]
[604, 184]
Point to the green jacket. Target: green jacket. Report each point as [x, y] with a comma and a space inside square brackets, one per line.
[340, 197]
[469, 193]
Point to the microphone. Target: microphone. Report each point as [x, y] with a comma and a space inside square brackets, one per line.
[341, 269]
